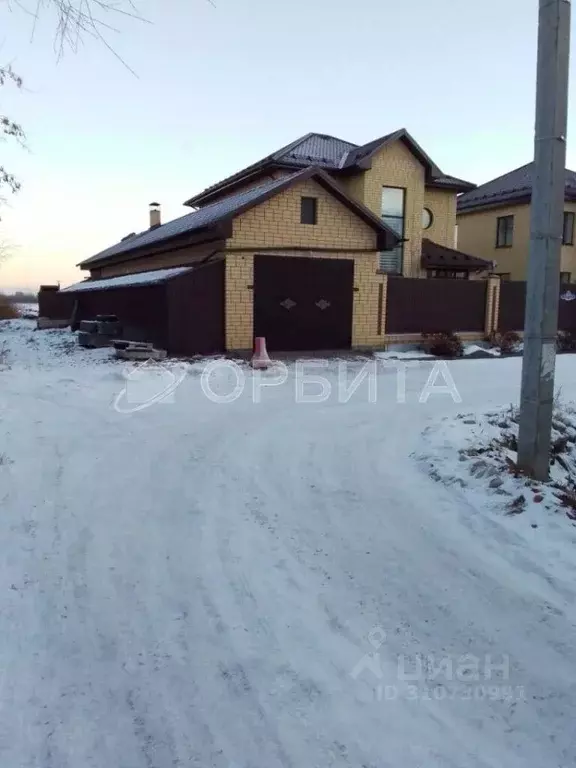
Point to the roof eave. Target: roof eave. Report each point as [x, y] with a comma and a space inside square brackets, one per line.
[486, 205]
[219, 231]
[208, 196]
[458, 186]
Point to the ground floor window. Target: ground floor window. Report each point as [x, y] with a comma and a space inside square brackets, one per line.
[565, 277]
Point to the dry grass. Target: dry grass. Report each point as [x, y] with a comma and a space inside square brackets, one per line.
[8, 310]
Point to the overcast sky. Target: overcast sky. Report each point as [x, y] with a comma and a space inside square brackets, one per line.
[219, 87]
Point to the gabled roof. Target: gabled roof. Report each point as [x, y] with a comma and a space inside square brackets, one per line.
[360, 155]
[515, 186]
[336, 155]
[224, 210]
[435, 256]
[314, 149]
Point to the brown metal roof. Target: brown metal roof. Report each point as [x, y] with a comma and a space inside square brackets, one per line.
[513, 187]
[435, 256]
[224, 210]
[336, 155]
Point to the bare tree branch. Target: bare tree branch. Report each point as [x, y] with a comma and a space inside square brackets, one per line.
[10, 130]
[77, 18]
[74, 20]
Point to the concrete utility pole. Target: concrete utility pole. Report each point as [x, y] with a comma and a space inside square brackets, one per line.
[541, 322]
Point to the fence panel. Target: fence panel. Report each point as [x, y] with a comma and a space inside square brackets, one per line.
[567, 307]
[55, 305]
[512, 304]
[414, 305]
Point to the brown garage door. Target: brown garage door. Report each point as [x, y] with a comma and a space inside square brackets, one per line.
[302, 303]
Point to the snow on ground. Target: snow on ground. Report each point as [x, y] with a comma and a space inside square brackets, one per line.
[28, 310]
[472, 349]
[469, 455]
[251, 584]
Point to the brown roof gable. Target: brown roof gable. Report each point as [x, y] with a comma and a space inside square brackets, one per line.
[335, 155]
[216, 219]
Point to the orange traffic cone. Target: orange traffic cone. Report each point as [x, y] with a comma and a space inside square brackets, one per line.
[260, 357]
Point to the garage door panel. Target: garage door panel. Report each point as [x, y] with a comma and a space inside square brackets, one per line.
[303, 303]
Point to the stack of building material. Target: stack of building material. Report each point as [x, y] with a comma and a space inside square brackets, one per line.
[137, 350]
[99, 332]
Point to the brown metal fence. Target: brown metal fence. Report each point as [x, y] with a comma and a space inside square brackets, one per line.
[141, 310]
[513, 303]
[55, 305]
[184, 315]
[427, 306]
[196, 303]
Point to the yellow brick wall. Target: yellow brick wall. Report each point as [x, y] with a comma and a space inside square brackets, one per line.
[396, 166]
[159, 261]
[276, 223]
[492, 305]
[239, 297]
[442, 204]
[477, 236]
[354, 185]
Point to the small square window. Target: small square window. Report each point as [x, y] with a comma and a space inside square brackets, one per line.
[504, 231]
[308, 210]
[565, 277]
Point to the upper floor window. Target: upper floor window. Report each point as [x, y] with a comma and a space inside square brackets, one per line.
[565, 277]
[308, 210]
[568, 229]
[427, 218]
[504, 231]
[393, 214]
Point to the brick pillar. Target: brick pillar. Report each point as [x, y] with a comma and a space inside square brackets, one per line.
[369, 313]
[492, 304]
[239, 301]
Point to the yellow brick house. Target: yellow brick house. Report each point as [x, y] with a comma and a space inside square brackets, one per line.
[494, 223]
[308, 237]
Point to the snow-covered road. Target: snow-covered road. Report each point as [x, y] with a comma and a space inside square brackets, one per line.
[199, 584]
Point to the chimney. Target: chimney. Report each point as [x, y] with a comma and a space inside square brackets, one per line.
[155, 215]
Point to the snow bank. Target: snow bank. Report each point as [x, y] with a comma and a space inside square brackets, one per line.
[474, 349]
[475, 455]
[23, 346]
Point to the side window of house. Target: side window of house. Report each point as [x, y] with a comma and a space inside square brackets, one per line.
[504, 231]
[393, 214]
[568, 230]
[308, 210]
